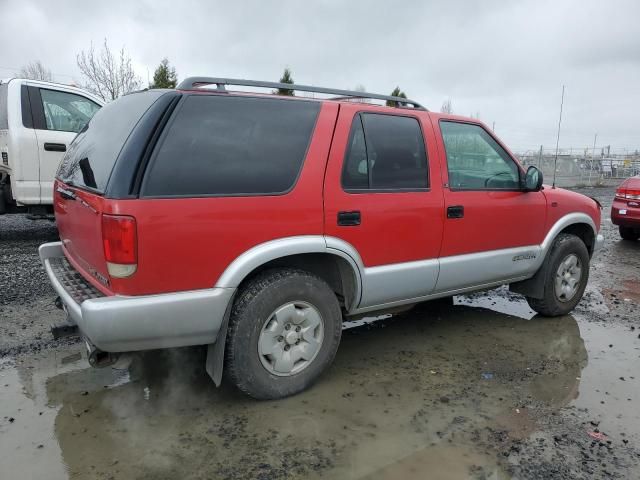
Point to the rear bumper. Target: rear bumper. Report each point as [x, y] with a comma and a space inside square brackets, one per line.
[625, 215]
[122, 324]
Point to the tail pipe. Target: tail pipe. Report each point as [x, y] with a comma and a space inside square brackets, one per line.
[99, 359]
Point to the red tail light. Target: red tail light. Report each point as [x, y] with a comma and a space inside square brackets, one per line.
[120, 241]
[628, 193]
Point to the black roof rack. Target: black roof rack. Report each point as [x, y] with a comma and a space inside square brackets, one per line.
[195, 82]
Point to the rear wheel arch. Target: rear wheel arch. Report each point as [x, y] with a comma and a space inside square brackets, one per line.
[333, 269]
[330, 259]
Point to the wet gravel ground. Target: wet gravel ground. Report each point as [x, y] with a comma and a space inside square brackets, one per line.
[483, 389]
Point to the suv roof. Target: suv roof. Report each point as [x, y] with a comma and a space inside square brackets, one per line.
[193, 83]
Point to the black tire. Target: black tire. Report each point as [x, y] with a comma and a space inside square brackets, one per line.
[550, 305]
[629, 233]
[257, 300]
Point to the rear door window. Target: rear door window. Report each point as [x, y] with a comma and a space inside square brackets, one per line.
[92, 154]
[231, 145]
[385, 152]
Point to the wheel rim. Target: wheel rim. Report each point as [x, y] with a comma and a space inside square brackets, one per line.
[290, 338]
[568, 277]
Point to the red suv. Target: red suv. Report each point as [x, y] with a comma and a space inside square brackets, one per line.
[255, 223]
[625, 211]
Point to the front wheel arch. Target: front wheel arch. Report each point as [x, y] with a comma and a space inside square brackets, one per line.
[534, 286]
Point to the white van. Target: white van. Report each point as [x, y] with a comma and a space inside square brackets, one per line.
[38, 120]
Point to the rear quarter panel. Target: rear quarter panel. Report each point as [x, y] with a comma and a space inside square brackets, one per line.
[186, 243]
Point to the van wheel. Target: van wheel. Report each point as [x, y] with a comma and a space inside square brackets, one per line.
[566, 277]
[628, 233]
[284, 331]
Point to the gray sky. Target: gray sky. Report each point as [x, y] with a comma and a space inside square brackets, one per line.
[505, 60]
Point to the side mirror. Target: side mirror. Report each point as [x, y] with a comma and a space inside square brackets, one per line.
[533, 180]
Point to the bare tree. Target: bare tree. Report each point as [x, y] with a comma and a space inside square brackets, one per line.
[36, 71]
[446, 106]
[108, 75]
[361, 88]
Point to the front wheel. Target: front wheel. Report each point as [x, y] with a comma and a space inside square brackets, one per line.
[566, 277]
[284, 331]
[629, 233]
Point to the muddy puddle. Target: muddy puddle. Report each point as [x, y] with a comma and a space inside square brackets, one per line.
[482, 390]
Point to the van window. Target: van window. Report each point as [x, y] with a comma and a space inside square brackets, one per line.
[231, 145]
[385, 152]
[66, 112]
[93, 153]
[4, 118]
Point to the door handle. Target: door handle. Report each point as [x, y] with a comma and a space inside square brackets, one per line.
[349, 219]
[55, 147]
[455, 211]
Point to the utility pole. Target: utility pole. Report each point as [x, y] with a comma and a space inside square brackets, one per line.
[493, 127]
[540, 159]
[593, 154]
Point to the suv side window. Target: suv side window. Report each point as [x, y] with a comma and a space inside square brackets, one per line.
[475, 160]
[66, 112]
[385, 152]
[218, 145]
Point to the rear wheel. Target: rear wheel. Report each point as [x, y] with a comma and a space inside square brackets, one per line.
[566, 277]
[284, 331]
[629, 233]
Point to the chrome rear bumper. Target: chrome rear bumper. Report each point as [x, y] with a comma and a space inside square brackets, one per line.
[121, 324]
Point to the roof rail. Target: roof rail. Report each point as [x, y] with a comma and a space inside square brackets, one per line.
[195, 82]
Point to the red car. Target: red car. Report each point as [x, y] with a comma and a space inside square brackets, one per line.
[625, 211]
[255, 223]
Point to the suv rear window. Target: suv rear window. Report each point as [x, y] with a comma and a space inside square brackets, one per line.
[93, 153]
[4, 120]
[222, 145]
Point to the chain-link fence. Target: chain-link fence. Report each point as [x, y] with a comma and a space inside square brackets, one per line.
[583, 170]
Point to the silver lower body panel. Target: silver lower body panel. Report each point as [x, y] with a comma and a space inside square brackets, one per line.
[121, 324]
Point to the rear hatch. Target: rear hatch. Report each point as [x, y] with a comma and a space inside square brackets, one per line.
[80, 200]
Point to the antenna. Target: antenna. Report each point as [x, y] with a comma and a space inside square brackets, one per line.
[555, 162]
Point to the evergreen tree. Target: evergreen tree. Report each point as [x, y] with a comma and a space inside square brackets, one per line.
[286, 78]
[396, 93]
[164, 76]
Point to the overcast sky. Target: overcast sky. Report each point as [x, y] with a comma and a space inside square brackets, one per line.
[503, 60]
